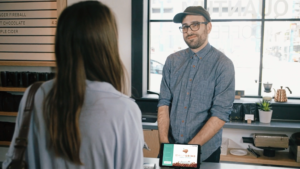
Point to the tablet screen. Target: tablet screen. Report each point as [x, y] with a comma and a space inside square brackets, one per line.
[180, 155]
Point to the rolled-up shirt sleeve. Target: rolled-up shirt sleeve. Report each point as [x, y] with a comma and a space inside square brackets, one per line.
[165, 92]
[224, 91]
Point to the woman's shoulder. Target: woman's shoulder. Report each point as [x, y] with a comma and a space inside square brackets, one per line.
[106, 95]
[46, 86]
[121, 103]
[42, 91]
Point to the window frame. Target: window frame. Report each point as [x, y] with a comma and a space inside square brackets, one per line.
[140, 47]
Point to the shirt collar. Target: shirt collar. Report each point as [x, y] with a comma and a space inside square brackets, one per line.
[202, 53]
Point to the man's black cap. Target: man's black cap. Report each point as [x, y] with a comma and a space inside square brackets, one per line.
[192, 10]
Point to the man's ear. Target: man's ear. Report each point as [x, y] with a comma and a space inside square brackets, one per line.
[209, 27]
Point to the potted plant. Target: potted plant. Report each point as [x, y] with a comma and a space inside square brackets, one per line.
[265, 111]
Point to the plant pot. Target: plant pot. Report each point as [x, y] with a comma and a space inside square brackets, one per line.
[265, 116]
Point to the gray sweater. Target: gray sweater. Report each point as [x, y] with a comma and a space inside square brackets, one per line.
[110, 126]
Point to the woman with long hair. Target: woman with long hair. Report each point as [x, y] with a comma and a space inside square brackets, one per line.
[82, 118]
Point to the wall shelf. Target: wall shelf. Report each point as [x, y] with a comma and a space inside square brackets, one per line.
[28, 63]
[4, 143]
[2, 113]
[13, 89]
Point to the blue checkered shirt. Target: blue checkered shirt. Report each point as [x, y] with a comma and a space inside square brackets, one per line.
[197, 86]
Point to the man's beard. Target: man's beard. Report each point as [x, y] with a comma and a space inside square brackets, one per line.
[196, 43]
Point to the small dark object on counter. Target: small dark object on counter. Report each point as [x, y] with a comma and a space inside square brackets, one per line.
[9, 102]
[16, 79]
[252, 151]
[7, 130]
[33, 77]
[295, 146]
[25, 79]
[149, 118]
[3, 79]
[248, 140]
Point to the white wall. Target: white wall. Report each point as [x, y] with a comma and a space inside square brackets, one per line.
[122, 11]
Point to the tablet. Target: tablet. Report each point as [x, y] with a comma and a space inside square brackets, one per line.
[179, 155]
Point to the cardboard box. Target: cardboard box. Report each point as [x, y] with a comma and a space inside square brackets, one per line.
[152, 140]
[271, 140]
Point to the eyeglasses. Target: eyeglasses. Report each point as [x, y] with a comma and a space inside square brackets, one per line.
[194, 27]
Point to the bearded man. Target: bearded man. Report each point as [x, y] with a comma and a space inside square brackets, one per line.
[197, 89]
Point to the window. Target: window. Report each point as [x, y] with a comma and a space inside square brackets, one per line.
[261, 37]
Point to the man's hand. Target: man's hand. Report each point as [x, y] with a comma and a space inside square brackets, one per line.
[163, 122]
[212, 126]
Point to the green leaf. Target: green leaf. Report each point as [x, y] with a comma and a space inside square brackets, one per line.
[264, 105]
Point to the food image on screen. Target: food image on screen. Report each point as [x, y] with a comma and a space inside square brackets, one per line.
[178, 155]
[184, 165]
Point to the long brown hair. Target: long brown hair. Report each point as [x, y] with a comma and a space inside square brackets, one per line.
[86, 47]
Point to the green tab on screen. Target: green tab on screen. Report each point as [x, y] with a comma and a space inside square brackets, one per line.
[168, 155]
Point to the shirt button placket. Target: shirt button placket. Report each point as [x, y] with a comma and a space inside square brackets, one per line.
[187, 99]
